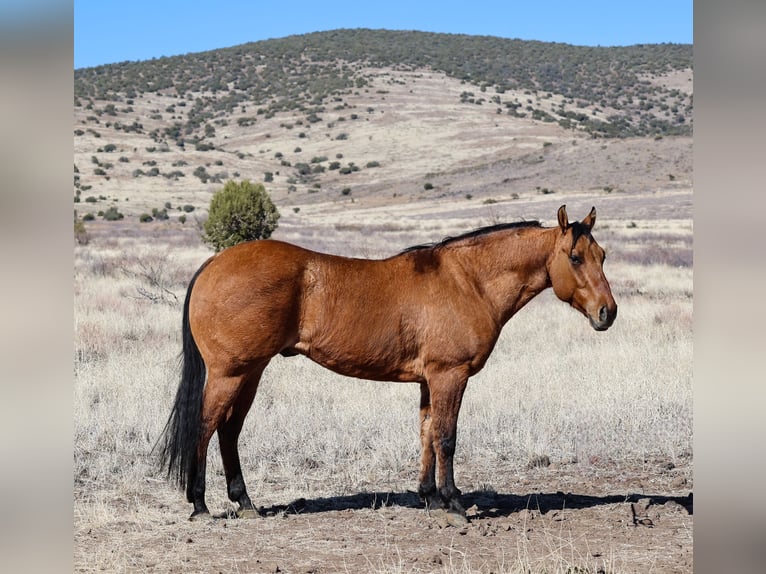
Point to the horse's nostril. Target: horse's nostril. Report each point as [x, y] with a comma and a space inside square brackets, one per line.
[603, 314]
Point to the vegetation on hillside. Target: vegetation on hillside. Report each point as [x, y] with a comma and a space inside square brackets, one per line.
[240, 211]
[306, 72]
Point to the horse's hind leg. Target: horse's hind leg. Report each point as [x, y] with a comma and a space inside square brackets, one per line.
[221, 392]
[228, 435]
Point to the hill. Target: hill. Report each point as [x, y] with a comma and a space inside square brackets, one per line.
[381, 116]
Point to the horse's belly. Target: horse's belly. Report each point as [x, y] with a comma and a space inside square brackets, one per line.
[379, 365]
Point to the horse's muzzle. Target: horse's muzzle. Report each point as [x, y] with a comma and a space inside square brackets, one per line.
[606, 317]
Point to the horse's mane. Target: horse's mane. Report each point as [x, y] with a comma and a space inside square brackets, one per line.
[471, 234]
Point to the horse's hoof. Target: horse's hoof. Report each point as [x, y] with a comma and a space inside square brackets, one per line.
[199, 515]
[247, 513]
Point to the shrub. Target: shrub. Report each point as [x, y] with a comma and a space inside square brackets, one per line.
[145, 218]
[350, 168]
[112, 214]
[428, 186]
[239, 212]
[303, 168]
[202, 174]
[80, 233]
[161, 214]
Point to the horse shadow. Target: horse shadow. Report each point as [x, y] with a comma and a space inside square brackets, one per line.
[484, 504]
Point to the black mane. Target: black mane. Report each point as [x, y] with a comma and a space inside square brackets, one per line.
[475, 233]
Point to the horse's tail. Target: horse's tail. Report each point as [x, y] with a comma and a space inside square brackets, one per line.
[180, 437]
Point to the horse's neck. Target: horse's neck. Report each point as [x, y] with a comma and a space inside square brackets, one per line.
[511, 269]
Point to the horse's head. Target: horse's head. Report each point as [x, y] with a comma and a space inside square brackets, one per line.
[576, 271]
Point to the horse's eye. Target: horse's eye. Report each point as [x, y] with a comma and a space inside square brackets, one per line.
[575, 259]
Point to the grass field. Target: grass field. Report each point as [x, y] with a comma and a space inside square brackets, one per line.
[552, 388]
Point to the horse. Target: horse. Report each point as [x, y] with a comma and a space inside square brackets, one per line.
[429, 315]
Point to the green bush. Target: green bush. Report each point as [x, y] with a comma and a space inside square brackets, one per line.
[112, 214]
[161, 214]
[241, 211]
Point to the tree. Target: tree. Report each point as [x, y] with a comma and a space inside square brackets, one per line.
[241, 211]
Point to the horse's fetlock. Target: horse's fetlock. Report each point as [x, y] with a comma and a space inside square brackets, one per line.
[426, 490]
[450, 493]
[236, 489]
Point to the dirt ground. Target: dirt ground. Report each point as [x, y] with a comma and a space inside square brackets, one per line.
[599, 517]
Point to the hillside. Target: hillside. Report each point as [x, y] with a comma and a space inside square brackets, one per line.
[382, 117]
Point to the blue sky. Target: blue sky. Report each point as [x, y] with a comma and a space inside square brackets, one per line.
[109, 32]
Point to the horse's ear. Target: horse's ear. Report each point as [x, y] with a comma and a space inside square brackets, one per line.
[590, 221]
[563, 219]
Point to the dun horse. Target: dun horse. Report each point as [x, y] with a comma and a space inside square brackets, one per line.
[429, 315]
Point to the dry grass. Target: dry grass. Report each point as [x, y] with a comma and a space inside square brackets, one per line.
[552, 387]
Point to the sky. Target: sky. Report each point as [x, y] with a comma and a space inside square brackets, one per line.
[110, 32]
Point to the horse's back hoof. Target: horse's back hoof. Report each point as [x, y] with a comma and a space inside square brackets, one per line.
[199, 515]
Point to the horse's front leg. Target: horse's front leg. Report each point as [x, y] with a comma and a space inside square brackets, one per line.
[446, 394]
[427, 487]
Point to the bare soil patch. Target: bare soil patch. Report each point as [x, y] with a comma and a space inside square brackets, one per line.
[599, 517]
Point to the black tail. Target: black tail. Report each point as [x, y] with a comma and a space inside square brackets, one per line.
[180, 438]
